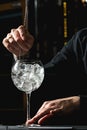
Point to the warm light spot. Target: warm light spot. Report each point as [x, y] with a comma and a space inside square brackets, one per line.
[83, 1]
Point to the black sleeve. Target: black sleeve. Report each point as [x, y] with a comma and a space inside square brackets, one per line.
[74, 52]
[66, 75]
[71, 62]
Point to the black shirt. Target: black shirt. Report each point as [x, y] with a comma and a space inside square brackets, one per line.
[66, 75]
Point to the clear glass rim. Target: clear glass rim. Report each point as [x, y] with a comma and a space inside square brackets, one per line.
[31, 61]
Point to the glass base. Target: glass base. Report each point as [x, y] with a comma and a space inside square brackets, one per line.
[34, 125]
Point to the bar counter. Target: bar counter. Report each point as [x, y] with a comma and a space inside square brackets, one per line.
[21, 127]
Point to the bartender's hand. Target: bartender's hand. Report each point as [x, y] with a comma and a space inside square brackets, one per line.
[19, 41]
[60, 107]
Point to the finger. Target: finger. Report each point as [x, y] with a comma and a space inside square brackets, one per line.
[43, 107]
[16, 35]
[26, 36]
[10, 39]
[39, 120]
[44, 118]
[11, 48]
[23, 32]
[8, 35]
[34, 119]
[52, 112]
[28, 122]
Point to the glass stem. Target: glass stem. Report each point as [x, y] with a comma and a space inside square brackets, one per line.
[28, 96]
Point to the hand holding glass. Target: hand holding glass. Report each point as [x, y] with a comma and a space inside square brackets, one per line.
[27, 76]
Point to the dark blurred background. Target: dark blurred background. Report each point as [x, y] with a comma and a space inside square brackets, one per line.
[52, 22]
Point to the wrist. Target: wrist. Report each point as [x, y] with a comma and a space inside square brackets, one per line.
[76, 101]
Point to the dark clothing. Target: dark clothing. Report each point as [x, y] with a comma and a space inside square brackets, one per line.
[69, 67]
[66, 76]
